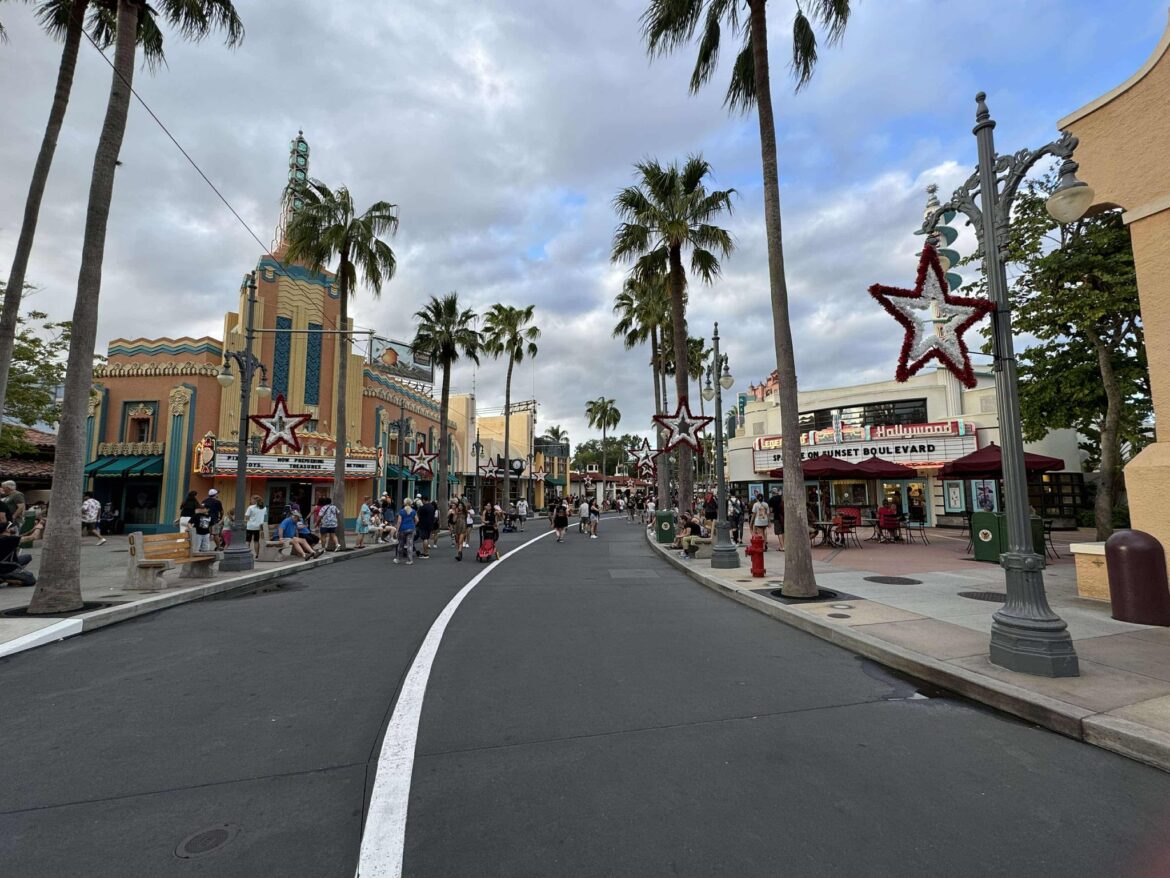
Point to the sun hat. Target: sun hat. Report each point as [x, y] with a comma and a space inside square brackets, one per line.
[212, 492]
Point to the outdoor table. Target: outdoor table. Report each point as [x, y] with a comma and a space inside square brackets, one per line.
[876, 535]
[827, 536]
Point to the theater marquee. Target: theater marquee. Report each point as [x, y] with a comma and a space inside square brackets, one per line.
[915, 445]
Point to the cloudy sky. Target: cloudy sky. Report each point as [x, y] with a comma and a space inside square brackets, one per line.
[503, 128]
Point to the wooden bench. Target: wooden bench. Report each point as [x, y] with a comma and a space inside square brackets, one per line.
[151, 556]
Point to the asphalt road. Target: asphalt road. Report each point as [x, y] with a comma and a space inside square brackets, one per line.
[590, 712]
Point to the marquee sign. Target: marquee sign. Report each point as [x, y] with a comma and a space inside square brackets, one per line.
[926, 451]
[852, 433]
[224, 463]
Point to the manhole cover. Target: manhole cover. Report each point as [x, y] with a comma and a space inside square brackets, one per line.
[997, 597]
[821, 596]
[838, 615]
[893, 580]
[206, 841]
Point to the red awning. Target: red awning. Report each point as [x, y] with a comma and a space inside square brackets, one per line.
[880, 468]
[988, 462]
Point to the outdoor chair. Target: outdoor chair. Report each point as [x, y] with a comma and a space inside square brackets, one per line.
[847, 530]
[916, 525]
[967, 528]
[1049, 546]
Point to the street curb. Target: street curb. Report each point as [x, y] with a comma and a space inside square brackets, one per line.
[173, 597]
[1118, 735]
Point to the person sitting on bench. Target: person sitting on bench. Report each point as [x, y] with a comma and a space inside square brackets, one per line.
[692, 537]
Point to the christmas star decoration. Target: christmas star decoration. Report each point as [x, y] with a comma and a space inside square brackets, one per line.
[539, 475]
[489, 471]
[930, 305]
[421, 463]
[647, 470]
[643, 455]
[280, 427]
[683, 427]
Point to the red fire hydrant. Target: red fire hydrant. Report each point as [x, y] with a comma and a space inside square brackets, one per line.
[756, 552]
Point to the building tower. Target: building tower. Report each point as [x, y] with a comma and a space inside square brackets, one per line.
[298, 175]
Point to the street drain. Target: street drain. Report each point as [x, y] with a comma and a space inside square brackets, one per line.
[206, 841]
[997, 597]
[893, 580]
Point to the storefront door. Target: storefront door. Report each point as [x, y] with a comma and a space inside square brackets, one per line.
[910, 498]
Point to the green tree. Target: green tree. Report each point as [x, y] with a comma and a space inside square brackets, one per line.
[667, 211]
[1075, 292]
[508, 332]
[38, 369]
[616, 447]
[670, 24]
[603, 413]
[326, 227]
[445, 333]
[64, 20]
[556, 435]
[59, 584]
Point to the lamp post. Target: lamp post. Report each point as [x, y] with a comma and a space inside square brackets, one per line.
[478, 449]
[723, 554]
[238, 556]
[400, 427]
[1026, 635]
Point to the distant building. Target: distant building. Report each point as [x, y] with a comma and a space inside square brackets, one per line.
[160, 425]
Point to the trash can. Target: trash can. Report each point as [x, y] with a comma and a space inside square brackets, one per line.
[664, 527]
[1137, 578]
[987, 536]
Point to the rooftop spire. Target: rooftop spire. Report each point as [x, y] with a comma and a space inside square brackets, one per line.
[298, 175]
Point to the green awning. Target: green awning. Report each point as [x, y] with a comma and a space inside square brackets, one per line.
[453, 479]
[553, 480]
[118, 466]
[93, 466]
[150, 466]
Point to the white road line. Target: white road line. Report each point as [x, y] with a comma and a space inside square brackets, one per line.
[384, 838]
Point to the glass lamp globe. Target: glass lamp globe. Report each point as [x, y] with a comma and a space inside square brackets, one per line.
[1069, 203]
[225, 378]
[263, 390]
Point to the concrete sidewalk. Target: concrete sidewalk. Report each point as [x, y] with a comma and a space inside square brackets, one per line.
[104, 580]
[926, 627]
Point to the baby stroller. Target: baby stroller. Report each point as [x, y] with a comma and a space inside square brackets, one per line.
[487, 545]
[12, 572]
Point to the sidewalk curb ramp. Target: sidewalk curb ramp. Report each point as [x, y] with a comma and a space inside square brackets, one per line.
[1113, 733]
[70, 626]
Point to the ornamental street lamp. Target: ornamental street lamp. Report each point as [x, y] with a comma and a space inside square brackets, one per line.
[1026, 635]
[478, 449]
[400, 427]
[238, 556]
[723, 553]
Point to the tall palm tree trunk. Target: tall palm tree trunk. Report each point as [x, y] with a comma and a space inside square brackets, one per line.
[664, 460]
[444, 438]
[604, 461]
[59, 586]
[655, 365]
[508, 434]
[36, 191]
[686, 475]
[342, 424]
[799, 580]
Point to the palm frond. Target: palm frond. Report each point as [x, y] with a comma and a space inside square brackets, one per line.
[833, 16]
[195, 19]
[667, 24]
[804, 49]
[741, 91]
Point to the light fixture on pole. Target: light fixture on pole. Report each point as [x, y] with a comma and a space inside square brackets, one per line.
[238, 556]
[478, 449]
[1026, 635]
[723, 554]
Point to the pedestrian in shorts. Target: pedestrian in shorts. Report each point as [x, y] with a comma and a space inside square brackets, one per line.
[91, 510]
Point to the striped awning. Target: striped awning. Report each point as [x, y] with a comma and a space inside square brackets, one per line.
[121, 466]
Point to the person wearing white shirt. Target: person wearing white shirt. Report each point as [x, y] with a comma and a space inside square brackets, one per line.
[522, 511]
[255, 518]
[583, 511]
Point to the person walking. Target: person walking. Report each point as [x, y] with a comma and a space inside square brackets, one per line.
[325, 517]
[255, 519]
[583, 525]
[734, 518]
[522, 512]
[760, 519]
[187, 509]
[425, 525]
[776, 507]
[560, 520]
[461, 520]
[407, 522]
[594, 518]
[91, 510]
[201, 531]
[362, 525]
[215, 510]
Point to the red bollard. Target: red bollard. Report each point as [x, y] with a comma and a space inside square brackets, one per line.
[756, 552]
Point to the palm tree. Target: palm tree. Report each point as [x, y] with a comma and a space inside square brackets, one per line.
[667, 210]
[445, 333]
[556, 435]
[603, 413]
[59, 585]
[642, 308]
[669, 24]
[507, 332]
[328, 226]
[64, 20]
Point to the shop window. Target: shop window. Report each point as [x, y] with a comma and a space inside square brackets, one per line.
[139, 430]
[1057, 495]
